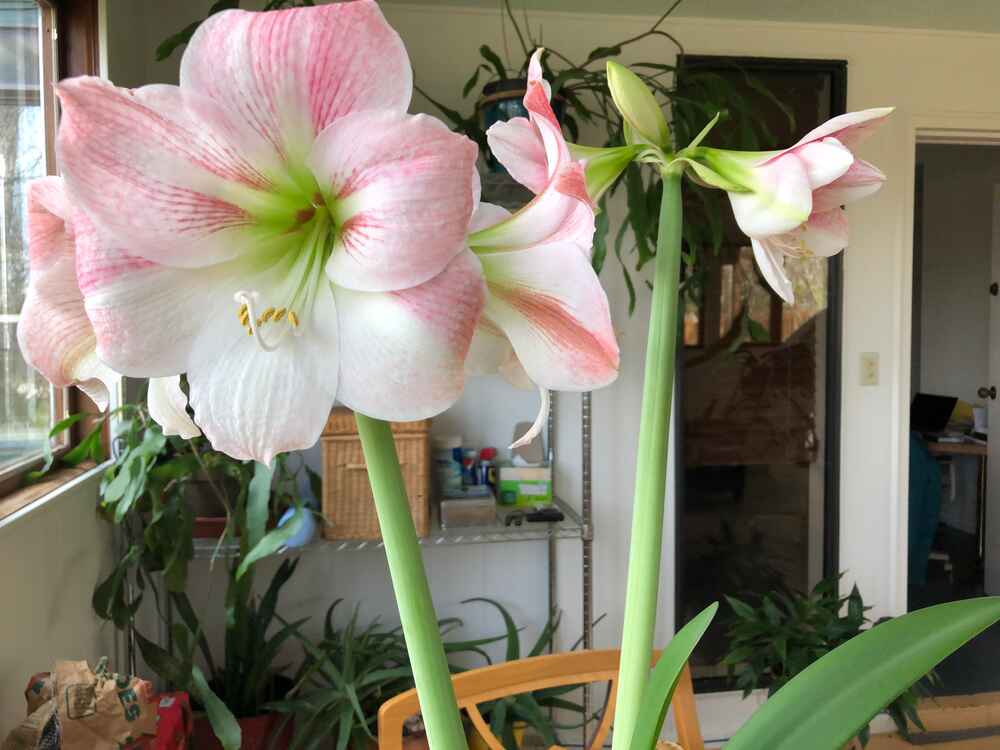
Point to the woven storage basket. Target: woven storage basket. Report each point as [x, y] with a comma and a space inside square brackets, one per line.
[348, 505]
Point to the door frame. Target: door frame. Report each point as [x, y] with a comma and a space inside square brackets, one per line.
[955, 128]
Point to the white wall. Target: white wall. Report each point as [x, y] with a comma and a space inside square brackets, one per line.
[956, 266]
[921, 72]
[52, 556]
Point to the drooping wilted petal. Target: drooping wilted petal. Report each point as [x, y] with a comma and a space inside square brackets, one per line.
[771, 262]
[291, 73]
[168, 174]
[859, 181]
[53, 334]
[402, 353]
[398, 187]
[253, 404]
[168, 407]
[551, 306]
[781, 199]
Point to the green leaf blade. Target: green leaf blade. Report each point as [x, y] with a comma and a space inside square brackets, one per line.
[836, 697]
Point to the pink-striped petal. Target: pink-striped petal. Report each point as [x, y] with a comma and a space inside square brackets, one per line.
[253, 404]
[824, 161]
[167, 173]
[145, 316]
[517, 145]
[860, 181]
[550, 304]
[543, 117]
[53, 333]
[398, 187]
[771, 262]
[825, 233]
[561, 213]
[291, 73]
[781, 200]
[168, 407]
[850, 129]
[402, 353]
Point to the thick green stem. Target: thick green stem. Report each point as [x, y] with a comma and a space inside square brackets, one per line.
[651, 469]
[413, 594]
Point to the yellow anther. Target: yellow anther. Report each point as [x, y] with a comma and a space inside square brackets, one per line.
[267, 314]
[279, 314]
[293, 319]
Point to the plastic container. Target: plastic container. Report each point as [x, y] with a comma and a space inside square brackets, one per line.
[446, 456]
[488, 468]
[470, 471]
[479, 511]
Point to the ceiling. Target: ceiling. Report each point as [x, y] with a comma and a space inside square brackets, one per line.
[955, 15]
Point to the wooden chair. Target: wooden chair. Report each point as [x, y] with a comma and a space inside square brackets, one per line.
[512, 678]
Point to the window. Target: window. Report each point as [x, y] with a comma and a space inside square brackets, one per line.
[28, 404]
[40, 41]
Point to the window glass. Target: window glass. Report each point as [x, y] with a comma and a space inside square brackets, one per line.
[26, 400]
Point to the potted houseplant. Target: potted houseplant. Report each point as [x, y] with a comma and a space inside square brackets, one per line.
[345, 676]
[778, 635]
[146, 493]
[510, 717]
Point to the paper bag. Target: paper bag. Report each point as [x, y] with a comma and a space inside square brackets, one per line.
[76, 708]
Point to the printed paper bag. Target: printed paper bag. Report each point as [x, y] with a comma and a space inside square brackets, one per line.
[100, 710]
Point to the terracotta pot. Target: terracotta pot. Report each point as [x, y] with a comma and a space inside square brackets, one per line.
[256, 733]
[209, 513]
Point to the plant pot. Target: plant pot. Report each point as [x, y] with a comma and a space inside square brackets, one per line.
[476, 741]
[209, 512]
[256, 733]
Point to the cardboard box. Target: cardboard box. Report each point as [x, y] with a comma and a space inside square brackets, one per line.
[524, 485]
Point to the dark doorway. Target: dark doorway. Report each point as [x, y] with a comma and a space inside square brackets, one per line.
[759, 384]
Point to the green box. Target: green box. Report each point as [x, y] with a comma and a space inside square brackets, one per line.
[524, 485]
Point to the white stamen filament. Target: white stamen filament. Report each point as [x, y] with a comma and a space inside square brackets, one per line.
[253, 323]
[536, 428]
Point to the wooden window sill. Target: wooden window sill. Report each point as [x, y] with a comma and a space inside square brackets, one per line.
[22, 497]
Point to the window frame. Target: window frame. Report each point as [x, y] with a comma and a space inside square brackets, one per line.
[70, 37]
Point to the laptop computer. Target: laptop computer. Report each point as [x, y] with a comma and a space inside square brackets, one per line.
[929, 414]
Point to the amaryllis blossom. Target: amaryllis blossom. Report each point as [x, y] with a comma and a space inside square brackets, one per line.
[54, 334]
[790, 202]
[277, 227]
[545, 309]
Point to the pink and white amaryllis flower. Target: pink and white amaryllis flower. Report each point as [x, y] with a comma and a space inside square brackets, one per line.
[54, 334]
[277, 227]
[790, 202]
[545, 309]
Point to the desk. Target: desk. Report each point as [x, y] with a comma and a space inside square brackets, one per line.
[981, 451]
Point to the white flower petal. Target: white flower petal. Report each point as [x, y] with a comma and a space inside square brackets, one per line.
[168, 407]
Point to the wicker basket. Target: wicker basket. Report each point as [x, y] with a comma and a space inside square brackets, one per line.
[347, 495]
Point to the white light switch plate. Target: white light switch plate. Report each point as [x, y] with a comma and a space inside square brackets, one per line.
[869, 368]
